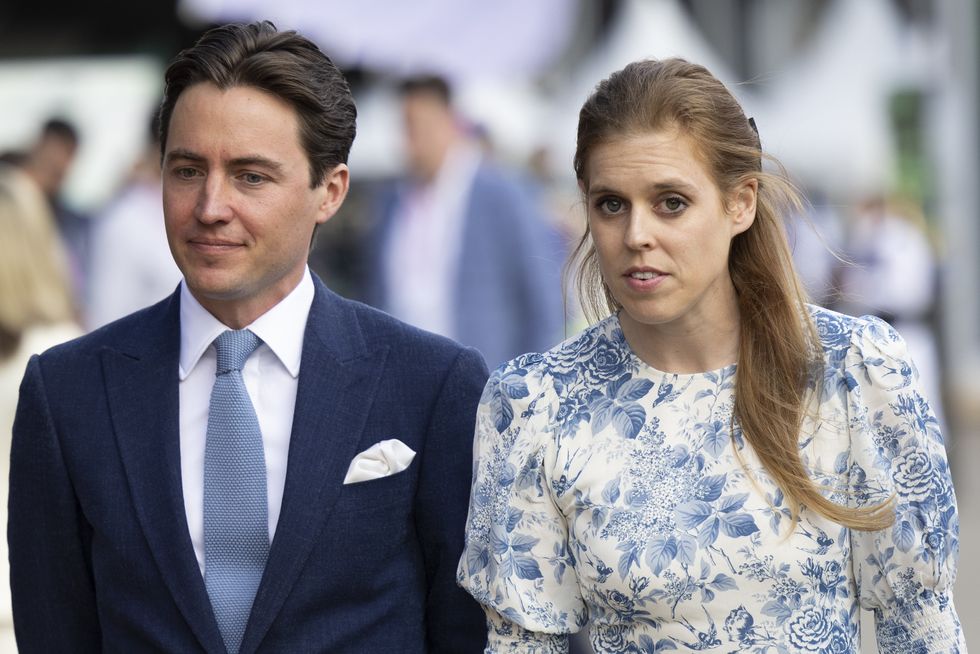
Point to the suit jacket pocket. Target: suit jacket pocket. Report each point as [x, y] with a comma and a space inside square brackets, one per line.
[363, 495]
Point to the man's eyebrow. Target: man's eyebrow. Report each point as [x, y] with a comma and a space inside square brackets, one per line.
[256, 160]
[237, 162]
[180, 153]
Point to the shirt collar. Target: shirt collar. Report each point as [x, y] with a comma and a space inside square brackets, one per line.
[281, 328]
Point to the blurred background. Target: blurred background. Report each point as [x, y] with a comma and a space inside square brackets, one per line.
[871, 105]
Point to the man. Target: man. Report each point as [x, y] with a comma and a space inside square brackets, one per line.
[170, 491]
[461, 247]
[48, 163]
[52, 155]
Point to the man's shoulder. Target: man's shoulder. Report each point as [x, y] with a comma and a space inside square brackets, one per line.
[493, 177]
[505, 203]
[118, 334]
[380, 329]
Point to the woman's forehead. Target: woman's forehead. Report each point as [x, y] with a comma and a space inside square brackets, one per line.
[656, 156]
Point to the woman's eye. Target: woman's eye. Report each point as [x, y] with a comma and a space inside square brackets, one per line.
[674, 204]
[611, 205]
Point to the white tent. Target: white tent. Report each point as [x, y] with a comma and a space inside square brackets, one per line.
[461, 39]
[826, 115]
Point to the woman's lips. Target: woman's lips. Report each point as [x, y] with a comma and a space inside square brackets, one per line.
[643, 278]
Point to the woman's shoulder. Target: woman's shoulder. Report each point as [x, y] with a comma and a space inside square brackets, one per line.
[838, 331]
[863, 350]
[601, 344]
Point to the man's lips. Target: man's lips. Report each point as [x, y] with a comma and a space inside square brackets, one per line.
[213, 245]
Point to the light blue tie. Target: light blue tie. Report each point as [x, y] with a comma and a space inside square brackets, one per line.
[236, 523]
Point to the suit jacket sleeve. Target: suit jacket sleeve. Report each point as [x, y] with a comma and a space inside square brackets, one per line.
[454, 621]
[51, 584]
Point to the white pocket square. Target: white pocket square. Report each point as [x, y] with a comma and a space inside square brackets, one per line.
[380, 460]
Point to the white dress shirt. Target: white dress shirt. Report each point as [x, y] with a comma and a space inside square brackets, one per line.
[423, 248]
[271, 378]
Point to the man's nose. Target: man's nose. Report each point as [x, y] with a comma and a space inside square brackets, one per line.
[214, 203]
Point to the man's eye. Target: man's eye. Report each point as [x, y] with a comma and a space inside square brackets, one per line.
[185, 173]
[252, 179]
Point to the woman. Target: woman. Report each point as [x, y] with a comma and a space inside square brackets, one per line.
[717, 465]
[35, 313]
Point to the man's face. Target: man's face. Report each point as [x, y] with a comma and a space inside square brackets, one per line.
[50, 162]
[237, 199]
[430, 130]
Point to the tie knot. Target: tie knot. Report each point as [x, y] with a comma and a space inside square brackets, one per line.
[234, 347]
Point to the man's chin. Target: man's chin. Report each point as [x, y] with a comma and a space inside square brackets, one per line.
[216, 290]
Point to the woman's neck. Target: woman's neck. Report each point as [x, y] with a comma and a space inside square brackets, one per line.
[691, 344]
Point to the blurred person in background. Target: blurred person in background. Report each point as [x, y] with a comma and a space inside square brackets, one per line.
[48, 162]
[716, 464]
[35, 314]
[51, 156]
[461, 247]
[131, 265]
[892, 273]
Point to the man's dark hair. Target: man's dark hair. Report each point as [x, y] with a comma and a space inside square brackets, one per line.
[153, 128]
[283, 64]
[60, 128]
[427, 85]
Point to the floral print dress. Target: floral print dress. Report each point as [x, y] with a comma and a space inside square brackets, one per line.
[610, 493]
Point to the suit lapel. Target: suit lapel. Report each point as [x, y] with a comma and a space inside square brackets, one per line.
[337, 382]
[141, 386]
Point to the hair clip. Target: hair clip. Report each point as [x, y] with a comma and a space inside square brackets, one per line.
[758, 139]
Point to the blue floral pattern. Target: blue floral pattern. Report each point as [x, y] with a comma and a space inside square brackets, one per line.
[610, 493]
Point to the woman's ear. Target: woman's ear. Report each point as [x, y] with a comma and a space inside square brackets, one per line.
[743, 205]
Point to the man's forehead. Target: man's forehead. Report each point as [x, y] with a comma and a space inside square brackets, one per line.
[233, 102]
[235, 123]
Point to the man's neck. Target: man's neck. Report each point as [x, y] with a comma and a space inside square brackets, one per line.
[238, 313]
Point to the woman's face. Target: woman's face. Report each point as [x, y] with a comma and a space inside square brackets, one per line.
[662, 229]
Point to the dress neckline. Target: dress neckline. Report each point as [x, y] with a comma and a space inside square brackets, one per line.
[726, 370]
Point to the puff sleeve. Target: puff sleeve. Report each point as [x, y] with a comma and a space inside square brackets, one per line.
[516, 561]
[905, 572]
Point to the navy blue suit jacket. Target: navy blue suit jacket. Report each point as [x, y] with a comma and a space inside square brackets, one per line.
[101, 557]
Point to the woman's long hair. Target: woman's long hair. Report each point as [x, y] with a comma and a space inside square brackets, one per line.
[779, 355]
